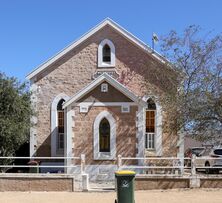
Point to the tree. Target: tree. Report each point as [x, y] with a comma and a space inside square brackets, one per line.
[15, 112]
[197, 105]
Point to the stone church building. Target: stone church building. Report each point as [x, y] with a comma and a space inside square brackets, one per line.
[101, 96]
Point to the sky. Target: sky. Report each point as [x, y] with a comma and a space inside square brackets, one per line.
[32, 31]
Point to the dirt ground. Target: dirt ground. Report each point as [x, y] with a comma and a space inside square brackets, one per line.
[170, 196]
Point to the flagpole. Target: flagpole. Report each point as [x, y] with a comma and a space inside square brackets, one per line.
[152, 43]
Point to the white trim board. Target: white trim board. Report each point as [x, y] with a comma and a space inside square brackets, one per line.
[105, 22]
[99, 80]
[106, 104]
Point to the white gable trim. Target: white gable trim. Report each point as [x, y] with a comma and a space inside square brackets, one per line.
[109, 22]
[99, 80]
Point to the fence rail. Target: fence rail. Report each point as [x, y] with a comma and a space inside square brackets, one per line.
[181, 165]
[31, 158]
[45, 165]
[143, 165]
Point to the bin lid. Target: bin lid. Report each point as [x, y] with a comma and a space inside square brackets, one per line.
[33, 162]
[125, 172]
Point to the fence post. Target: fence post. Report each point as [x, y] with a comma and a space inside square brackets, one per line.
[182, 166]
[85, 176]
[119, 161]
[194, 179]
[83, 163]
[193, 165]
[85, 182]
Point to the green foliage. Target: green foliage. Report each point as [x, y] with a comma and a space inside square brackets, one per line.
[15, 112]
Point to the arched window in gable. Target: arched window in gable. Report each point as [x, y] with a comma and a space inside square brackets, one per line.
[104, 136]
[150, 124]
[106, 54]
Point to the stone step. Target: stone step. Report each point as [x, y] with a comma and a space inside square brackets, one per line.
[102, 176]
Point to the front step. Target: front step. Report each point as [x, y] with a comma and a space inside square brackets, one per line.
[103, 186]
[102, 177]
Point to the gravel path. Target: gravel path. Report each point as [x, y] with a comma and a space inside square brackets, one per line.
[170, 196]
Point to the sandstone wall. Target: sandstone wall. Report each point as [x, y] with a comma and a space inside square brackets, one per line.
[138, 71]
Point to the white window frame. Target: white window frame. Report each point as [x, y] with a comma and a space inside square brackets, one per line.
[58, 142]
[96, 153]
[54, 124]
[151, 135]
[150, 141]
[102, 64]
[158, 118]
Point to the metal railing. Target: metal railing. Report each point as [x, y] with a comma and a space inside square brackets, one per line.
[154, 165]
[206, 163]
[171, 166]
[68, 162]
[158, 166]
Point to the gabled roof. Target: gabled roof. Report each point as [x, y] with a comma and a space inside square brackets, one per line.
[105, 22]
[102, 78]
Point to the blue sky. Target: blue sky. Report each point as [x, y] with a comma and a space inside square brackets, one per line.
[31, 31]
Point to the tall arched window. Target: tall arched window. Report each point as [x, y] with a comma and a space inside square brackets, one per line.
[106, 53]
[104, 136]
[150, 124]
[57, 125]
[60, 119]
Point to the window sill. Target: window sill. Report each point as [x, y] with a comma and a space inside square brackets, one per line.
[150, 152]
[60, 153]
[106, 65]
[150, 149]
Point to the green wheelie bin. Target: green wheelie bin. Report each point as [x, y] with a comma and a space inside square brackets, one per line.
[35, 168]
[125, 186]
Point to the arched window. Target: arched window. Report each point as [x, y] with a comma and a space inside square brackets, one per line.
[57, 125]
[60, 118]
[104, 136]
[150, 124]
[106, 53]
